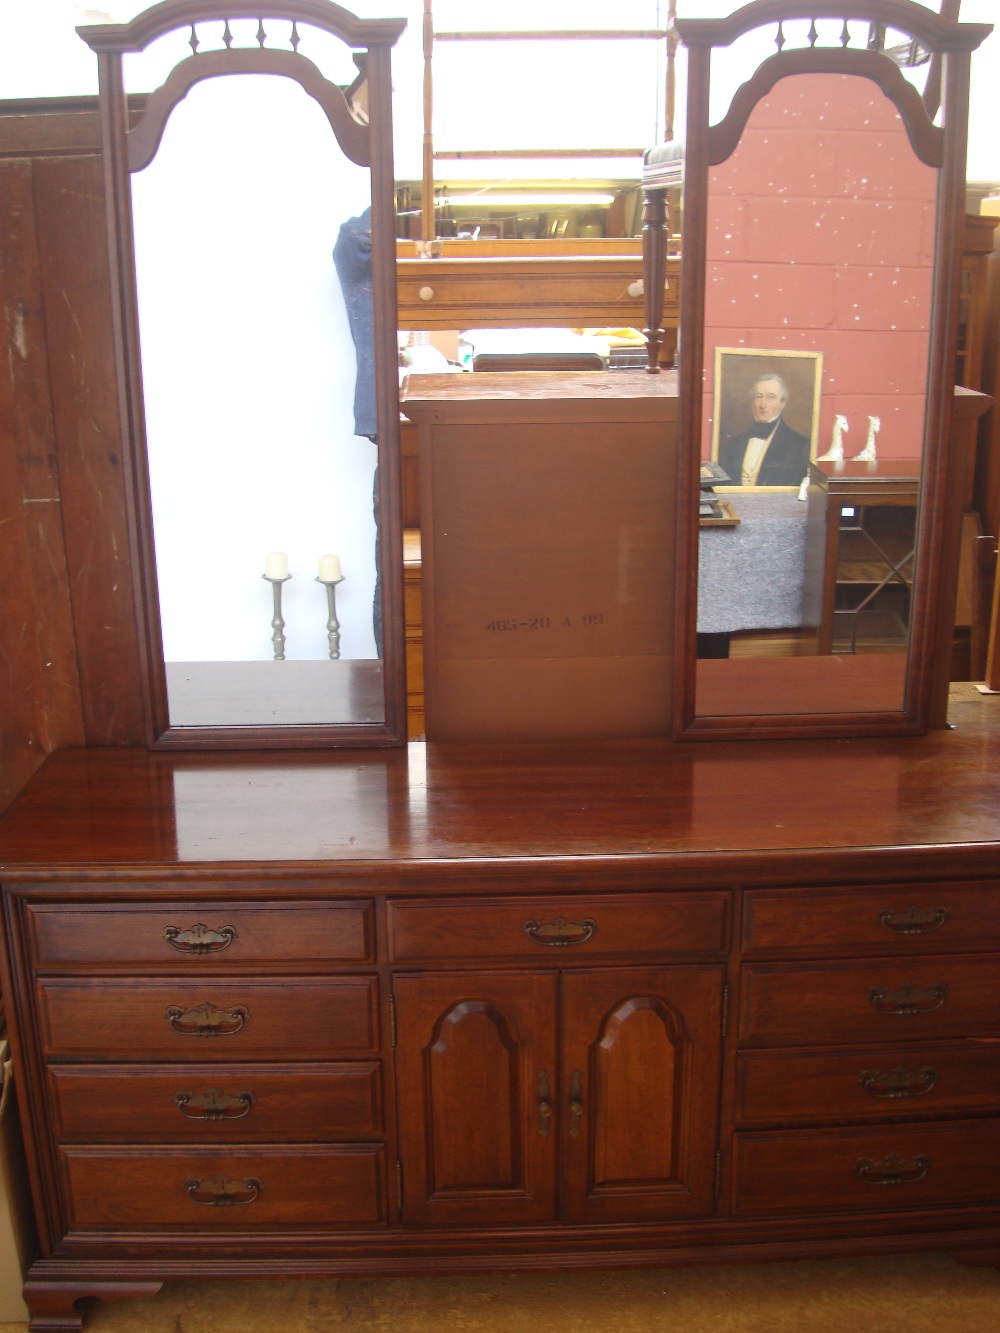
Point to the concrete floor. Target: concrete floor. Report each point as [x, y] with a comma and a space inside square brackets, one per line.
[908, 1295]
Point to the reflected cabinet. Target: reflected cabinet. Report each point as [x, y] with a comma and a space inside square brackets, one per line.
[861, 533]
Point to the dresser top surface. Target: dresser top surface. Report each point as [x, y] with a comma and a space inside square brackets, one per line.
[699, 807]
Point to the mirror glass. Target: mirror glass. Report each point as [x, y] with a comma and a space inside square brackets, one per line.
[258, 462]
[820, 237]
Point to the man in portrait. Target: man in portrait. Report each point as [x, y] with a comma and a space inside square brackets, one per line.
[769, 452]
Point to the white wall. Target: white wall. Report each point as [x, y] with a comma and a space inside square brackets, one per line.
[248, 369]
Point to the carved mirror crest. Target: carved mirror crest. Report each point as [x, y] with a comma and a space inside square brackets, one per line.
[823, 212]
[252, 240]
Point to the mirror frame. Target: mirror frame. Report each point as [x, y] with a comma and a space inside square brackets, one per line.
[128, 144]
[951, 44]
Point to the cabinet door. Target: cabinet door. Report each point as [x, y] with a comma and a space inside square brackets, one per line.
[640, 1088]
[476, 1075]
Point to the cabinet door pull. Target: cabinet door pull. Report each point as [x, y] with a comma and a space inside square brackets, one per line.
[899, 1082]
[206, 1020]
[893, 1170]
[908, 998]
[559, 932]
[913, 921]
[575, 1103]
[544, 1105]
[199, 938]
[223, 1191]
[213, 1104]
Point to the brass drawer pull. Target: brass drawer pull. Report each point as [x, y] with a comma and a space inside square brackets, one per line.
[907, 999]
[913, 921]
[560, 932]
[893, 1170]
[544, 1105]
[206, 1020]
[899, 1082]
[213, 1104]
[200, 939]
[223, 1191]
[575, 1104]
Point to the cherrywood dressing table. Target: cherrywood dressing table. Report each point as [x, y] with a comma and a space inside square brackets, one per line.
[346, 956]
[278, 1010]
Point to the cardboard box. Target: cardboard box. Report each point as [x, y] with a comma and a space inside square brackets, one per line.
[547, 530]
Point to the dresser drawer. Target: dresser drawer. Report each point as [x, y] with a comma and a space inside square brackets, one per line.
[878, 1169]
[116, 1189]
[884, 1082]
[208, 934]
[895, 1000]
[203, 1103]
[217, 1018]
[895, 920]
[552, 929]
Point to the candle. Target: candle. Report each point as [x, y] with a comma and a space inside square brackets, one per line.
[276, 565]
[329, 568]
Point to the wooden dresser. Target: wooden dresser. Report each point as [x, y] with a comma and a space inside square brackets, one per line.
[483, 1008]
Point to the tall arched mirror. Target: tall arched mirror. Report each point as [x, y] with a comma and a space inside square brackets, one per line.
[253, 243]
[823, 207]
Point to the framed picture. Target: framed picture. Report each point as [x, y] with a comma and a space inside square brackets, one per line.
[765, 422]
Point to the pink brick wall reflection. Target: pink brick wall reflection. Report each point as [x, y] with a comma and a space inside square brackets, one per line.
[820, 231]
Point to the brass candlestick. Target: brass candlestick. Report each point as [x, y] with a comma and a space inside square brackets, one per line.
[332, 624]
[277, 623]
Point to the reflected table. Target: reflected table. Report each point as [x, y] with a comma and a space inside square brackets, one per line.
[751, 577]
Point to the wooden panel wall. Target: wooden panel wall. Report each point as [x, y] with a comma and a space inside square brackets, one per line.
[68, 652]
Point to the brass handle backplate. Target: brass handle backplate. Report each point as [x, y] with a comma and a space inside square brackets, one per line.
[223, 1191]
[559, 932]
[899, 1082]
[913, 921]
[908, 998]
[207, 1020]
[213, 1104]
[544, 1105]
[199, 939]
[575, 1103]
[893, 1170]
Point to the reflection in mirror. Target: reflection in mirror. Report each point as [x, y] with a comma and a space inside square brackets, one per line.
[252, 243]
[817, 311]
[249, 376]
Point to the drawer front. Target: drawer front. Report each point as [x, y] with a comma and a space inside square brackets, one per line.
[879, 1169]
[219, 1018]
[207, 934]
[887, 1082]
[925, 999]
[554, 930]
[208, 1189]
[203, 1103]
[895, 920]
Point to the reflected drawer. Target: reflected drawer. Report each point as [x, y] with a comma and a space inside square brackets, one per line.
[216, 1018]
[886, 1082]
[203, 1103]
[881, 1000]
[202, 932]
[554, 929]
[208, 1189]
[898, 919]
[878, 1169]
